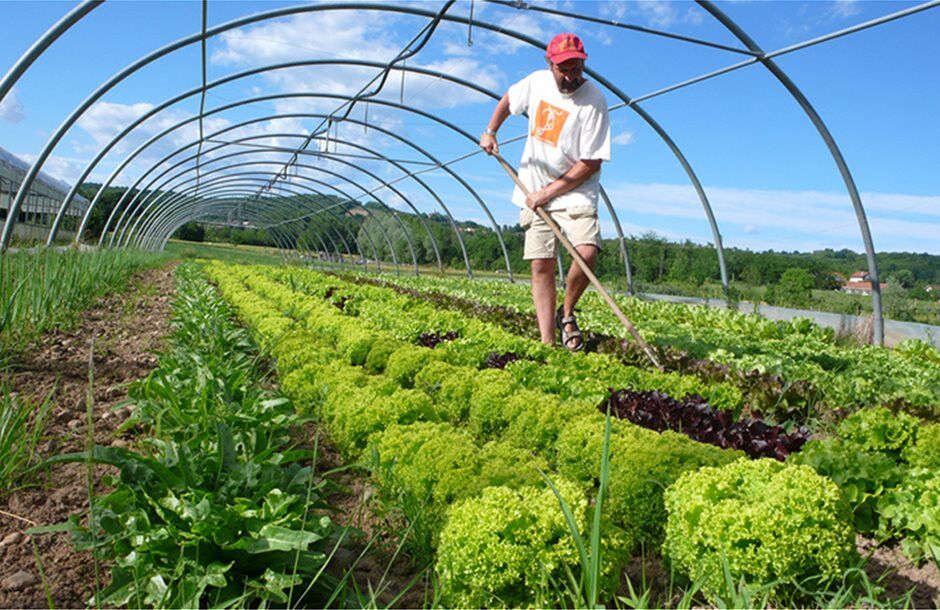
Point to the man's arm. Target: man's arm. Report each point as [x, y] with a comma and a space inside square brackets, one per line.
[500, 113]
[572, 179]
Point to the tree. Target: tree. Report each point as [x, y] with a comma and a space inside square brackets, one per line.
[904, 277]
[191, 231]
[895, 301]
[795, 288]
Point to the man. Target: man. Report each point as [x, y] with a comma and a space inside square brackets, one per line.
[569, 138]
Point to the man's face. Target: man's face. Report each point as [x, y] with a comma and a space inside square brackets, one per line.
[567, 74]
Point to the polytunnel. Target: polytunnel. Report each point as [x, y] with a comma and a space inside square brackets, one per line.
[363, 139]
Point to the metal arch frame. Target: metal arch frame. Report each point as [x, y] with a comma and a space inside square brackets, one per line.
[283, 241]
[160, 135]
[165, 50]
[160, 189]
[834, 151]
[160, 107]
[288, 240]
[859, 209]
[264, 69]
[143, 238]
[241, 190]
[148, 188]
[222, 206]
[227, 181]
[338, 190]
[43, 43]
[381, 157]
[219, 186]
[225, 80]
[4, 236]
[231, 197]
[122, 241]
[292, 188]
[352, 182]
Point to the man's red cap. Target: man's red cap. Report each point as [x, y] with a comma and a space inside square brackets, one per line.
[564, 47]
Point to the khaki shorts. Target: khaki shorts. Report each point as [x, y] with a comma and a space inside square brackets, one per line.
[579, 225]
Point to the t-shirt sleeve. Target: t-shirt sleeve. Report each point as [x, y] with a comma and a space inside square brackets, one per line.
[519, 95]
[595, 133]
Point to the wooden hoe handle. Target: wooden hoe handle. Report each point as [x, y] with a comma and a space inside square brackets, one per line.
[584, 267]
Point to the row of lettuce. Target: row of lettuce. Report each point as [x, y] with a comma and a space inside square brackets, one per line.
[214, 506]
[460, 450]
[835, 374]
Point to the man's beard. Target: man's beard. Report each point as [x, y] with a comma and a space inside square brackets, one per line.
[569, 86]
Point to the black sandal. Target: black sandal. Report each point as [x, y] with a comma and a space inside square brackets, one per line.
[566, 337]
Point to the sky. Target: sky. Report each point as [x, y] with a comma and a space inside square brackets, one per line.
[764, 168]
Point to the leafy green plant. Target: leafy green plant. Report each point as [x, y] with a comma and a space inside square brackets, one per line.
[759, 522]
[879, 430]
[586, 589]
[643, 464]
[216, 508]
[911, 511]
[863, 477]
[509, 547]
[925, 453]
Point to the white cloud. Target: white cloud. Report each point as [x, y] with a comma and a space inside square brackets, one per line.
[66, 169]
[11, 110]
[458, 47]
[842, 9]
[428, 91]
[347, 34]
[658, 12]
[366, 35]
[105, 120]
[623, 138]
[802, 219]
[655, 13]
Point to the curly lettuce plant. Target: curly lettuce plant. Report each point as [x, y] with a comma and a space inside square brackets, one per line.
[762, 522]
[878, 429]
[509, 548]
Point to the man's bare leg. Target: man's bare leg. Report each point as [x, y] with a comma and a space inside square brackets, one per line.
[577, 282]
[543, 296]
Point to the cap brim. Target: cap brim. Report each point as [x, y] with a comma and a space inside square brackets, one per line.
[563, 57]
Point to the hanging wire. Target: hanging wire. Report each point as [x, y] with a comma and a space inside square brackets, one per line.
[202, 100]
[401, 94]
[470, 26]
[409, 50]
[365, 118]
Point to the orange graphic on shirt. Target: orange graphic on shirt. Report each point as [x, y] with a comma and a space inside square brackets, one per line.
[548, 123]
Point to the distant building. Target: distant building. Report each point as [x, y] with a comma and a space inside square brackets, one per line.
[860, 287]
[860, 276]
[44, 197]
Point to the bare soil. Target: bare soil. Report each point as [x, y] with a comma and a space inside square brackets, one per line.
[897, 574]
[116, 339]
[376, 552]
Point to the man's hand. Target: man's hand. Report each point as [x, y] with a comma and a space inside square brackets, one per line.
[489, 144]
[538, 198]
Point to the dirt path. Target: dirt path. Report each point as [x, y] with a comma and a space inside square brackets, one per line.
[127, 329]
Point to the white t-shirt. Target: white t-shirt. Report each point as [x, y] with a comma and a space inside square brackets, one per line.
[563, 129]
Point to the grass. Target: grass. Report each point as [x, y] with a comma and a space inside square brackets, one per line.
[47, 288]
[22, 425]
[251, 255]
